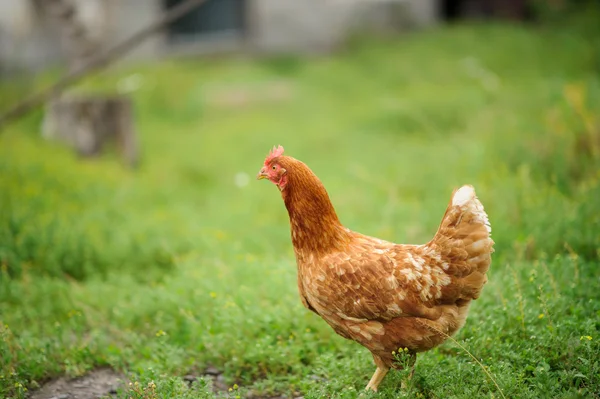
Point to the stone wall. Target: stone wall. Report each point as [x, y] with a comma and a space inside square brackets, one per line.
[27, 41]
[273, 26]
[320, 25]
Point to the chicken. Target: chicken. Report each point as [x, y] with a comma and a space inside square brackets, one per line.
[383, 295]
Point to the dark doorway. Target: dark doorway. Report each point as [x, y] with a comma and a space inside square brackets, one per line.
[459, 9]
[212, 18]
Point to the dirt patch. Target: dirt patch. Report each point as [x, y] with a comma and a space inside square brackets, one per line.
[103, 383]
[97, 384]
[220, 387]
[210, 374]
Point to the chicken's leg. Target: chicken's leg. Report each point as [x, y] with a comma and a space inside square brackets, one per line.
[377, 378]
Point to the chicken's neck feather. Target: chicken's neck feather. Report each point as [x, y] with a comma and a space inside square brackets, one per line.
[314, 223]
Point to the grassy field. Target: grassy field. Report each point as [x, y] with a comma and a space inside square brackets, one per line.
[187, 263]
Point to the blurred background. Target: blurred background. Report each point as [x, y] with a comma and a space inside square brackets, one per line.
[134, 236]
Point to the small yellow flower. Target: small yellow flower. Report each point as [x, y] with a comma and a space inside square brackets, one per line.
[230, 389]
[213, 294]
[160, 333]
[588, 337]
[220, 235]
[541, 316]
[235, 386]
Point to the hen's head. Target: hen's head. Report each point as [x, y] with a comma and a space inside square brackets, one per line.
[273, 170]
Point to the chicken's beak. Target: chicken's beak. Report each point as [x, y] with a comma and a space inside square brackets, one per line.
[262, 174]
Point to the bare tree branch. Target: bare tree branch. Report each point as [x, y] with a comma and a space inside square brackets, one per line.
[95, 63]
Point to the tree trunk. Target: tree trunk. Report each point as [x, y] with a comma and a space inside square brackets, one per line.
[88, 124]
[80, 39]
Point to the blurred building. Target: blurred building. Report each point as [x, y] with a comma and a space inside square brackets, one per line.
[31, 40]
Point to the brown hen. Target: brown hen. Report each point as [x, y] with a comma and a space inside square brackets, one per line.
[382, 295]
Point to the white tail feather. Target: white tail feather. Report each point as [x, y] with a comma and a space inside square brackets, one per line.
[463, 195]
[465, 198]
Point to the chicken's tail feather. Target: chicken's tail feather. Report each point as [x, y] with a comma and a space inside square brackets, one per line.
[464, 244]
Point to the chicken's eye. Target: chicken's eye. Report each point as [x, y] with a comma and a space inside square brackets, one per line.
[273, 167]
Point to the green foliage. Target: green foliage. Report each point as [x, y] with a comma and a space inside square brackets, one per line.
[186, 262]
[577, 19]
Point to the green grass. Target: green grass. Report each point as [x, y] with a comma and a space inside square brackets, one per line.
[162, 271]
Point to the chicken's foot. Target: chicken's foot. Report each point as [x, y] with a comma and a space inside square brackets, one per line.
[377, 378]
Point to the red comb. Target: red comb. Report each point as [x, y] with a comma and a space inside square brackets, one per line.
[275, 152]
